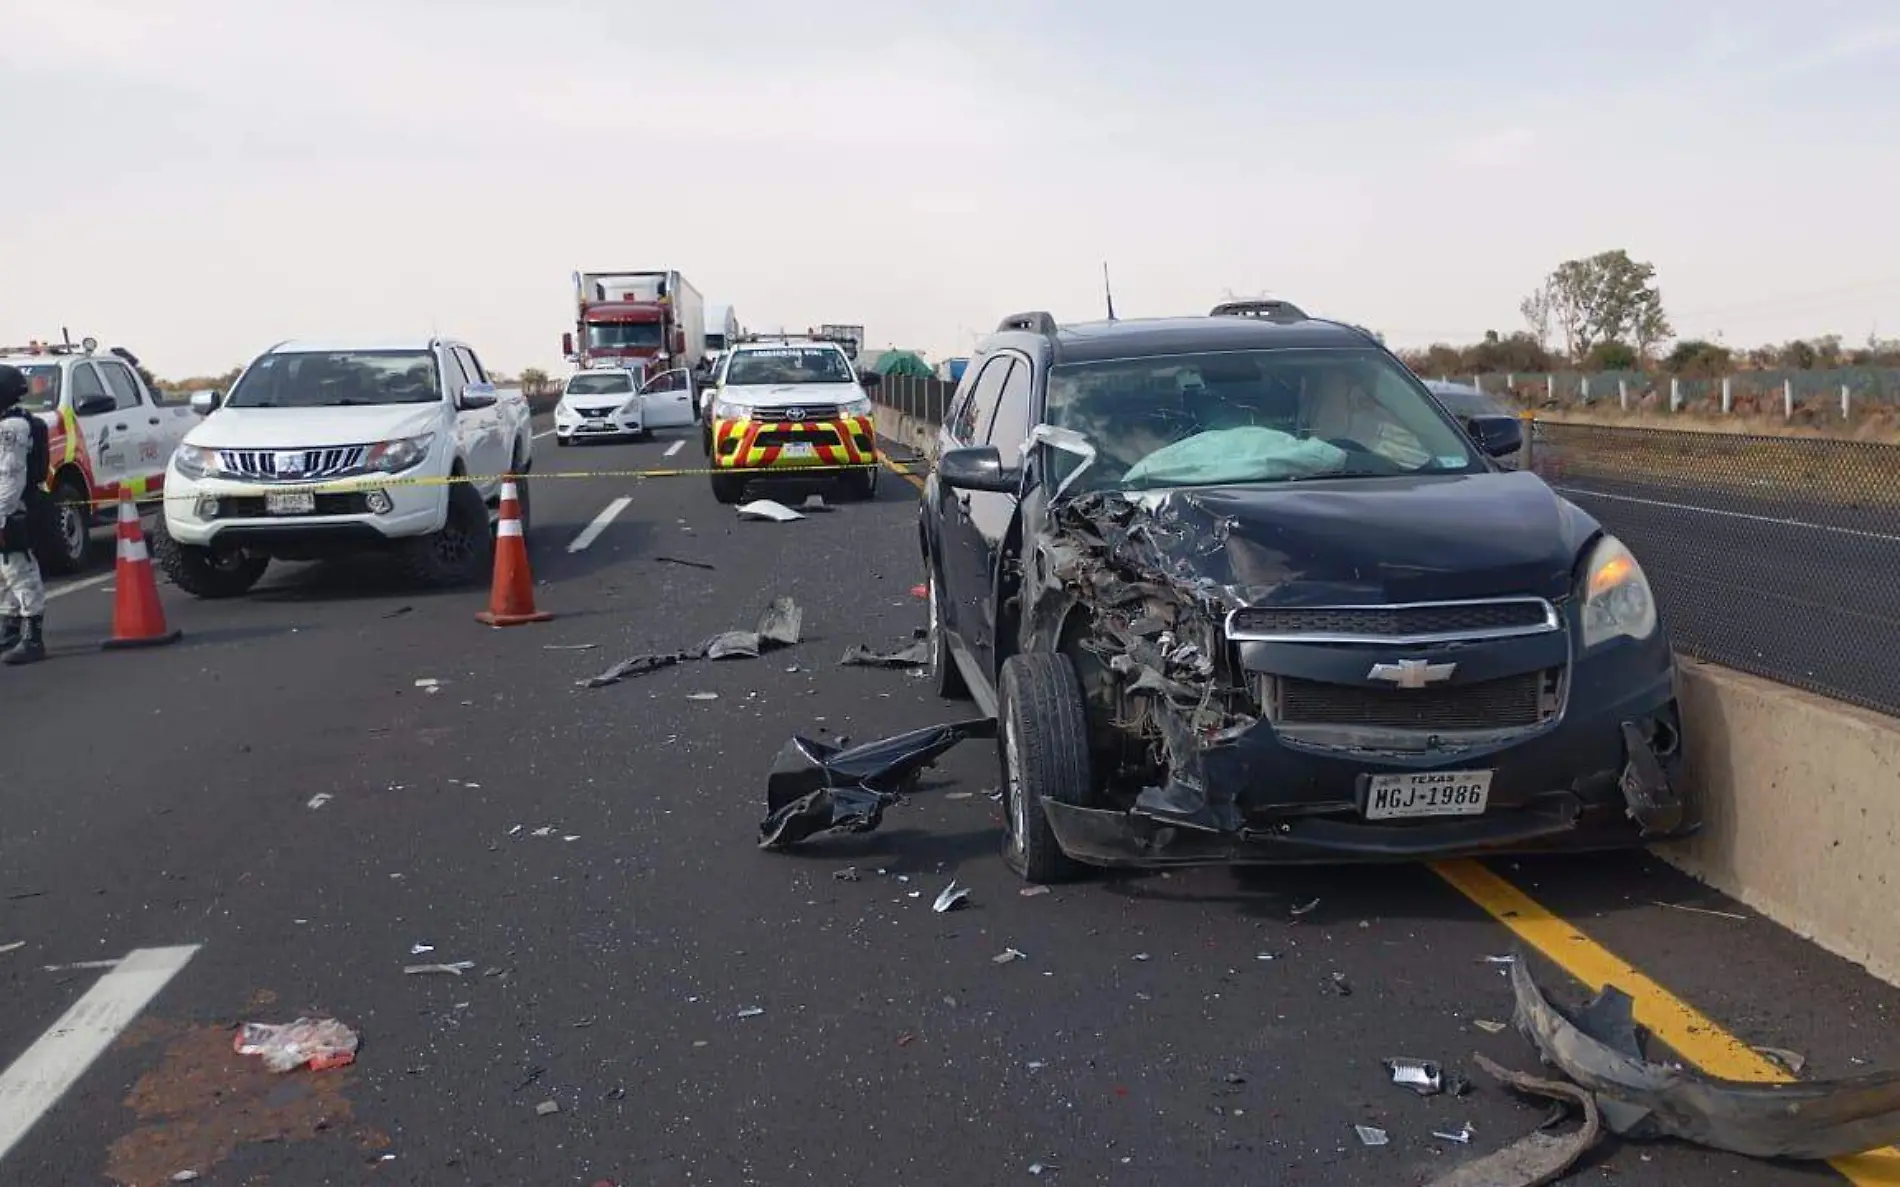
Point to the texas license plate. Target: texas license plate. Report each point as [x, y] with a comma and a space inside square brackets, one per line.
[290, 502]
[1427, 793]
[799, 449]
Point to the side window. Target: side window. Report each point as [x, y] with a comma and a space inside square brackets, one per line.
[123, 385]
[1011, 422]
[972, 421]
[453, 377]
[989, 392]
[86, 384]
[471, 366]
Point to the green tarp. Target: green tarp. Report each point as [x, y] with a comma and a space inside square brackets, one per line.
[902, 362]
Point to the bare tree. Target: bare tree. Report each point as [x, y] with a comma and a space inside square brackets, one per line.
[1536, 309]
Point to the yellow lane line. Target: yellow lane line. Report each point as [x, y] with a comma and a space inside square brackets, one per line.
[1690, 1033]
[894, 468]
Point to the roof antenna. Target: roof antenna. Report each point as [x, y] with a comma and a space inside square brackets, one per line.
[1108, 292]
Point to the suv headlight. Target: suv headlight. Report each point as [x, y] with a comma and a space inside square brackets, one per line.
[727, 410]
[393, 457]
[858, 407]
[194, 461]
[1617, 602]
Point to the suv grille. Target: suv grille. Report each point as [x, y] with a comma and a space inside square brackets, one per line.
[1390, 624]
[292, 465]
[812, 412]
[1505, 703]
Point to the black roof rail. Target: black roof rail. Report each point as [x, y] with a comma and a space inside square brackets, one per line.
[1036, 322]
[1276, 310]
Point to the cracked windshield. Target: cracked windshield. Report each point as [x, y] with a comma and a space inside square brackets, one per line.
[900, 595]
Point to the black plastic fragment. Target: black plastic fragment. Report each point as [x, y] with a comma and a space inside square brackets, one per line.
[817, 788]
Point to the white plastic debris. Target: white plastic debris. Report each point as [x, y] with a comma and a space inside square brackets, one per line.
[1033, 891]
[1370, 1135]
[1420, 1075]
[13, 947]
[1304, 908]
[547, 1108]
[1489, 1027]
[1007, 955]
[768, 509]
[317, 801]
[453, 968]
[953, 896]
[702, 696]
[421, 949]
[1462, 1137]
[751, 1011]
[319, 1043]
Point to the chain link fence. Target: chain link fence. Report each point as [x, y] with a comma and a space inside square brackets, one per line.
[1778, 556]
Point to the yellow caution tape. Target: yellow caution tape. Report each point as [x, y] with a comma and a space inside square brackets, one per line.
[362, 484]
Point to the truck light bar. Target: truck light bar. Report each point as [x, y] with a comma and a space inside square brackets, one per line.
[84, 346]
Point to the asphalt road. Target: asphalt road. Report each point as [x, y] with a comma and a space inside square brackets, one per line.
[1157, 1030]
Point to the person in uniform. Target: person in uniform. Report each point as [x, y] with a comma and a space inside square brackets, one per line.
[23, 450]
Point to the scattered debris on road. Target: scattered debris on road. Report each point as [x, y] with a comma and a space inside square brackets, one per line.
[1304, 909]
[702, 696]
[318, 800]
[1033, 891]
[751, 1011]
[454, 968]
[1340, 985]
[816, 788]
[768, 509]
[547, 1108]
[848, 874]
[1008, 955]
[781, 625]
[1489, 1027]
[1538, 1157]
[1420, 1075]
[953, 896]
[430, 684]
[1700, 911]
[675, 560]
[912, 655]
[1791, 1061]
[1462, 1137]
[1598, 1048]
[317, 1043]
[1371, 1135]
[13, 947]
[569, 646]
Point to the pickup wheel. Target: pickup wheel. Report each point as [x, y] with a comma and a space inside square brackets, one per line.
[462, 552]
[729, 488]
[945, 676]
[1045, 751]
[861, 484]
[206, 572]
[69, 542]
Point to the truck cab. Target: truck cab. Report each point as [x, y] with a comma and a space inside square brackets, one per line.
[110, 432]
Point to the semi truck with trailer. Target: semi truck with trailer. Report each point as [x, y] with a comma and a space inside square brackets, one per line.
[655, 319]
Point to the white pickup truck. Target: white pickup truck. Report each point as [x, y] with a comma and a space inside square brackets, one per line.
[109, 431]
[323, 450]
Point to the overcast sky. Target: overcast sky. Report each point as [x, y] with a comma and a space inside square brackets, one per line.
[196, 179]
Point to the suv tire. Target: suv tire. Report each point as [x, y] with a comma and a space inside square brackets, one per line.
[729, 488]
[69, 538]
[1044, 739]
[205, 572]
[462, 552]
[861, 484]
[945, 676]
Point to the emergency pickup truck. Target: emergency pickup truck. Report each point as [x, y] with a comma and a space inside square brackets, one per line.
[109, 430]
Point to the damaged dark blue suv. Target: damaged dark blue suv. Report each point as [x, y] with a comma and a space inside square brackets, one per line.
[1240, 590]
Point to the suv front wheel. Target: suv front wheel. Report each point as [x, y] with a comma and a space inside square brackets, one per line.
[1045, 752]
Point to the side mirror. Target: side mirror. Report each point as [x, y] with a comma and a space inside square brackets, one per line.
[869, 379]
[95, 406]
[1498, 436]
[477, 395]
[978, 467]
[567, 346]
[205, 403]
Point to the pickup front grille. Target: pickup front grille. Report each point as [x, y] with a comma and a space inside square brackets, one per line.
[292, 465]
[807, 412]
[1415, 622]
[1510, 702]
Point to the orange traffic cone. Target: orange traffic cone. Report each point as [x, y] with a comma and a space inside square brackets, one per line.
[511, 598]
[138, 620]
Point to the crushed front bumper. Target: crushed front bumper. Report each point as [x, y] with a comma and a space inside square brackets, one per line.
[1594, 782]
[761, 445]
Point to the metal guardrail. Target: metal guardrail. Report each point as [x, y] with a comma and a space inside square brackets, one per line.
[1778, 556]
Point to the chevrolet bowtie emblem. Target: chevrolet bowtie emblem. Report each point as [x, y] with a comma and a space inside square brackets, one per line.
[1412, 673]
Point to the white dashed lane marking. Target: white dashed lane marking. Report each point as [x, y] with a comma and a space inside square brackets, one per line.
[592, 531]
[56, 1060]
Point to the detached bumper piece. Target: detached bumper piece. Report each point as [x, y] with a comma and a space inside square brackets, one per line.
[1654, 805]
[1598, 1048]
[817, 788]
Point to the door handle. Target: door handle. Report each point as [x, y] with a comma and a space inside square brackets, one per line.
[120, 426]
[155, 420]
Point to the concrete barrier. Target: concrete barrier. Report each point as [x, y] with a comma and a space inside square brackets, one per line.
[1801, 802]
[914, 433]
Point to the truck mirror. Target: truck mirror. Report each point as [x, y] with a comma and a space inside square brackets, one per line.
[567, 346]
[205, 403]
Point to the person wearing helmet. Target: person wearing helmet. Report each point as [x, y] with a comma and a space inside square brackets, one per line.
[23, 458]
